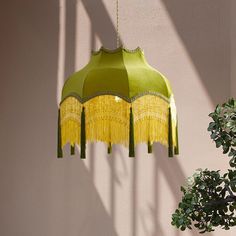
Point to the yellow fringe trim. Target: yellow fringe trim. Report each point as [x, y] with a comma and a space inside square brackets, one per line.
[150, 119]
[107, 120]
[70, 121]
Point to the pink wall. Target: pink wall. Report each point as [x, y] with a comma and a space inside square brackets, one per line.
[42, 42]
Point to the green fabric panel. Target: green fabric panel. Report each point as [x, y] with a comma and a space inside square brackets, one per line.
[59, 148]
[107, 74]
[83, 136]
[74, 84]
[123, 73]
[102, 80]
[142, 77]
[131, 135]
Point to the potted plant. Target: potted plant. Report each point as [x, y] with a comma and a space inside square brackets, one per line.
[209, 197]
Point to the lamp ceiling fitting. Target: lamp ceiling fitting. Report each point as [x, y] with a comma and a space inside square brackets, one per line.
[117, 98]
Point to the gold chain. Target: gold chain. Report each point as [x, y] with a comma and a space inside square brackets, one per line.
[117, 24]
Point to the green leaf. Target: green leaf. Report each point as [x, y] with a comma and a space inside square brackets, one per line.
[218, 109]
[231, 208]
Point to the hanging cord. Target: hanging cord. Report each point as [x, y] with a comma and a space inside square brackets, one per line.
[117, 25]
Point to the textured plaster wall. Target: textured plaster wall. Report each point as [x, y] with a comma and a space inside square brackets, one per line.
[42, 42]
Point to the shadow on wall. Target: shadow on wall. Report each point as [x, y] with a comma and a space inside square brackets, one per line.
[29, 37]
[39, 193]
[203, 26]
[173, 173]
[101, 22]
[36, 188]
[83, 211]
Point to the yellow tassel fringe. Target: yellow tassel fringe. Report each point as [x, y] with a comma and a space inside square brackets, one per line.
[150, 119]
[107, 120]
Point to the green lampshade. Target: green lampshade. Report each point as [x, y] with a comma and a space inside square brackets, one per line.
[118, 98]
[121, 72]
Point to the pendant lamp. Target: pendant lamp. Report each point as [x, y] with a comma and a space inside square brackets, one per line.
[117, 98]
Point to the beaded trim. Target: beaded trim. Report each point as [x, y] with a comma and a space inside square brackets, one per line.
[121, 48]
[129, 100]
